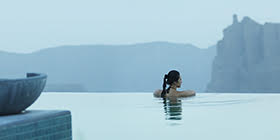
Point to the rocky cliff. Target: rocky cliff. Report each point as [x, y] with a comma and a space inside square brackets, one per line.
[247, 58]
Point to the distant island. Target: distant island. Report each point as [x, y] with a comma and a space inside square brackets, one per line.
[247, 58]
[113, 68]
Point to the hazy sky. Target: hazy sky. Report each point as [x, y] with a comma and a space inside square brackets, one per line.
[29, 25]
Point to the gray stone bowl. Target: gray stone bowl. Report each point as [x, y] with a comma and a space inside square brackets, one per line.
[18, 94]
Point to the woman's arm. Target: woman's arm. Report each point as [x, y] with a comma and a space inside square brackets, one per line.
[187, 93]
[157, 93]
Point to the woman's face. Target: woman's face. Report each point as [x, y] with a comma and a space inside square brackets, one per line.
[178, 83]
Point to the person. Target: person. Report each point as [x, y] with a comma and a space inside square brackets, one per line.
[174, 80]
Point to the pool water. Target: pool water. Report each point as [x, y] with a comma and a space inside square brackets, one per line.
[140, 116]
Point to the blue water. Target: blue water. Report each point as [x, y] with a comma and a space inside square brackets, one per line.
[140, 116]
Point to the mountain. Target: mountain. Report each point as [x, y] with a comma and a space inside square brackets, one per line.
[247, 58]
[113, 68]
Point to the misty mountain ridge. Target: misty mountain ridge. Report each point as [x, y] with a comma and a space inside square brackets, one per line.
[244, 60]
[107, 68]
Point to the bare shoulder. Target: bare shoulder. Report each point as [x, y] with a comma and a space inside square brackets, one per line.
[187, 93]
[157, 93]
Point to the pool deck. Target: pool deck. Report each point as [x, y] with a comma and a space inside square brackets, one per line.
[37, 124]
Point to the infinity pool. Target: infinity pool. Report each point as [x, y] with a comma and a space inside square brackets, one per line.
[140, 116]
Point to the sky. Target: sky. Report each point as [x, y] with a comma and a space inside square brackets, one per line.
[31, 25]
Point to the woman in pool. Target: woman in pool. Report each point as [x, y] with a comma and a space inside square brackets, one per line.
[173, 79]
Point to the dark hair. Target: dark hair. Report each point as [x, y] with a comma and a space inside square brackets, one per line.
[172, 76]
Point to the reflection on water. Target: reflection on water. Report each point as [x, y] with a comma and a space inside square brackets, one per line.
[172, 108]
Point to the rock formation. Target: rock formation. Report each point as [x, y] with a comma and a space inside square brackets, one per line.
[247, 58]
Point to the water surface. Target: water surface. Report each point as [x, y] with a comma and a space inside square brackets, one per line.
[140, 116]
